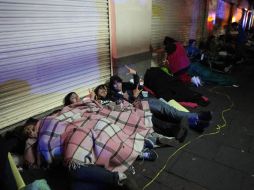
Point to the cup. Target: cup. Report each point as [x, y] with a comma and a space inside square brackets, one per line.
[144, 94]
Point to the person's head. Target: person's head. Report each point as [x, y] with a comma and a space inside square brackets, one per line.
[30, 130]
[234, 25]
[192, 42]
[168, 40]
[71, 98]
[115, 83]
[169, 44]
[101, 91]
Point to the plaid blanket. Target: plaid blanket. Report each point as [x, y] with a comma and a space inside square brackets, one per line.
[87, 133]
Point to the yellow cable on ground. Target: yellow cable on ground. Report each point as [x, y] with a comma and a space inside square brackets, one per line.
[218, 129]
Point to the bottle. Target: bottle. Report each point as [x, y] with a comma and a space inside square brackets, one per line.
[141, 83]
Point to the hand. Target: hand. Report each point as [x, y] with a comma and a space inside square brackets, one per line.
[165, 60]
[137, 104]
[136, 92]
[131, 71]
[91, 94]
[126, 96]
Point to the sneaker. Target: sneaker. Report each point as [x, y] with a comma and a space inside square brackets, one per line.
[200, 126]
[170, 141]
[193, 120]
[148, 154]
[203, 124]
[182, 133]
[164, 140]
[121, 177]
[205, 115]
[194, 81]
[149, 143]
[199, 81]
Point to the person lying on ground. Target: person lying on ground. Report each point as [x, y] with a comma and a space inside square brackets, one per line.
[206, 75]
[127, 91]
[152, 140]
[90, 176]
[79, 138]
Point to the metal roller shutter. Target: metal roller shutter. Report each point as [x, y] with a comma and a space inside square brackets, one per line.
[48, 49]
[180, 20]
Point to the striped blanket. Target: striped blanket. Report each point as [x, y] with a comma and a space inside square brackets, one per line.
[87, 133]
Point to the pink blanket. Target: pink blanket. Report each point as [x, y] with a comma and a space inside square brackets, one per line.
[89, 134]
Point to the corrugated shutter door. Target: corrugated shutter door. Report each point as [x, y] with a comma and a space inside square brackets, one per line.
[48, 49]
[180, 20]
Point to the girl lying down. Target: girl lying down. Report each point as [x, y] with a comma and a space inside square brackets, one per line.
[85, 134]
[153, 139]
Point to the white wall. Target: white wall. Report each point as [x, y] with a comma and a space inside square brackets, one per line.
[133, 26]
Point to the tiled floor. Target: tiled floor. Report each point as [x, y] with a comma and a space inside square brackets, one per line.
[221, 161]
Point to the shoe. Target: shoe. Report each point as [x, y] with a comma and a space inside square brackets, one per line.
[164, 140]
[149, 143]
[199, 81]
[203, 124]
[121, 178]
[205, 115]
[193, 120]
[183, 132]
[200, 126]
[181, 136]
[170, 141]
[194, 81]
[148, 154]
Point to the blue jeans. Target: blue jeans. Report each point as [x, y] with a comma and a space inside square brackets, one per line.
[162, 110]
[93, 177]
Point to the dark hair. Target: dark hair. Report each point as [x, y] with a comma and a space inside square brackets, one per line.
[114, 79]
[169, 43]
[67, 99]
[234, 24]
[31, 121]
[168, 40]
[101, 86]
